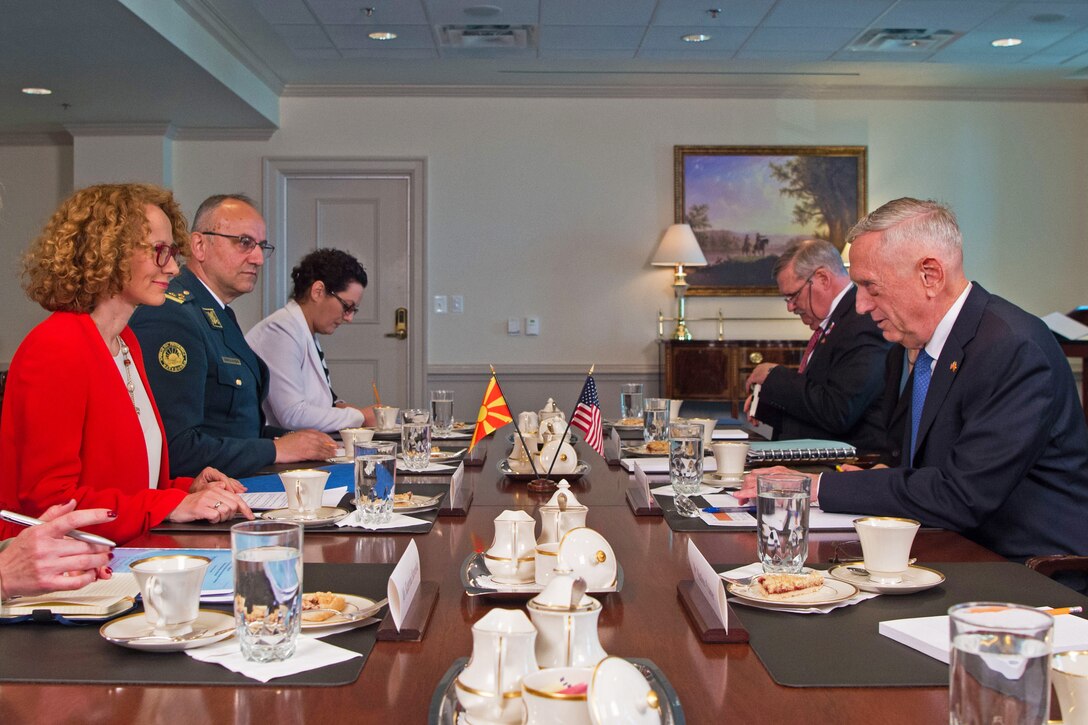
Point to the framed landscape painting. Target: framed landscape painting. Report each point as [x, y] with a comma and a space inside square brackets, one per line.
[746, 203]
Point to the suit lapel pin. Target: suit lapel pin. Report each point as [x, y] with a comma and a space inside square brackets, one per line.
[954, 366]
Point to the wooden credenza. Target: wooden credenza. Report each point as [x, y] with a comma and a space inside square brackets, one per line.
[716, 369]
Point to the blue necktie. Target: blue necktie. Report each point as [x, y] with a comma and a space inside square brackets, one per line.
[923, 371]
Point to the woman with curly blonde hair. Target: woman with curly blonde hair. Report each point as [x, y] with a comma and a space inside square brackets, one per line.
[79, 421]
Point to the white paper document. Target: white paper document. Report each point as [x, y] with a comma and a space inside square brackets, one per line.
[403, 584]
[709, 584]
[456, 480]
[929, 635]
[1066, 326]
[271, 500]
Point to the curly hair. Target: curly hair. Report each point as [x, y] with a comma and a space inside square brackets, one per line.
[336, 269]
[84, 251]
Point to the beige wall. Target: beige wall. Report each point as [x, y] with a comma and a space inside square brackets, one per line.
[553, 207]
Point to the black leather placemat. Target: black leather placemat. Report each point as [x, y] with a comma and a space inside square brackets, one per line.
[677, 522]
[844, 649]
[78, 655]
[421, 489]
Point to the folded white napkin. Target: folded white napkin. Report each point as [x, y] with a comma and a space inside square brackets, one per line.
[309, 654]
[396, 521]
[431, 468]
[757, 568]
[667, 490]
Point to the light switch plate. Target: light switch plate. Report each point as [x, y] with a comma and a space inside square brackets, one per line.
[457, 304]
[440, 304]
[513, 326]
[532, 325]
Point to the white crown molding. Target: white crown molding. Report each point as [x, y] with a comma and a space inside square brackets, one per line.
[223, 134]
[828, 92]
[163, 129]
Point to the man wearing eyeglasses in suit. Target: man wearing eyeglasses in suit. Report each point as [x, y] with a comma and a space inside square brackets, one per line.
[207, 380]
[835, 393]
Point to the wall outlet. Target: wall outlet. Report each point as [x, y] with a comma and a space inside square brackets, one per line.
[532, 325]
[440, 304]
[457, 304]
[513, 326]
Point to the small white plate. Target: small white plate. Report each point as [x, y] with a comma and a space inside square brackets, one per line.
[136, 625]
[915, 579]
[354, 606]
[713, 479]
[832, 592]
[588, 555]
[322, 517]
[416, 503]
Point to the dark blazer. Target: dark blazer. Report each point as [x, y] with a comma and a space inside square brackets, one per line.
[208, 382]
[1002, 446]
[895, 405]
[837, 397]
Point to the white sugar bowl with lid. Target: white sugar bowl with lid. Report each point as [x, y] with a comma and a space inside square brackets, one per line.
[562, 512]
[558, 457]
[511, 559]
[489, 688]
[566, 622]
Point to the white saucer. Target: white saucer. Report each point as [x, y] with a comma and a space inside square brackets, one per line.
[713, 479]
[354, 606]
[832, 592]
[322, 517]
[136, 625]
[915, 579]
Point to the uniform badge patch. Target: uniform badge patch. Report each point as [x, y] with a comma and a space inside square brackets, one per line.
[213, 319]
[172, 357]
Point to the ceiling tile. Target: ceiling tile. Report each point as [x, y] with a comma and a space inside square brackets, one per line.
[664, 38]
[355, 36]
[960, 16]
[512, 12]
[825, 13]
[693, 13]
[351, 12]
[298, 37]
[284, 11]
[597, 12]
[802, 39]
[607, 37]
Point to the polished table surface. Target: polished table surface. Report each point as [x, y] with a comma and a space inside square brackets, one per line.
[644, 620]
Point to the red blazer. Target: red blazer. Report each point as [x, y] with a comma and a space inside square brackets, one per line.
[69, 430]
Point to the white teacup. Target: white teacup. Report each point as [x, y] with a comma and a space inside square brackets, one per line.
[351, 436]
[557, 696]
[386, 416]
[304, 488]
[674, 409]
[729, 459]
[1069, 673]
[170, 586]
[547, 556]
[709, 424]
[885, 544]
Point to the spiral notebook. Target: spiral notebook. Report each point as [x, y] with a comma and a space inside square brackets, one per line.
[802, 450]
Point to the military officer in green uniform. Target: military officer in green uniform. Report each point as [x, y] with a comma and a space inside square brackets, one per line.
[208, 383]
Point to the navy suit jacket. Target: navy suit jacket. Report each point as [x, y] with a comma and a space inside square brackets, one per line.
[1002, 451]
[838, 395]
[208, 382]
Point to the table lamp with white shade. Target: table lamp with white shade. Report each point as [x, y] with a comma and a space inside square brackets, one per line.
[678, 249]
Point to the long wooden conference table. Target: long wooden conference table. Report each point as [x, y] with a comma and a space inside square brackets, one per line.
[715, 682]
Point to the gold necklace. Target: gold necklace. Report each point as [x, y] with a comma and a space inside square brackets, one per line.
[128, 373]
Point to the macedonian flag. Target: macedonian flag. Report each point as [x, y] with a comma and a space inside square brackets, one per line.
[494, 413]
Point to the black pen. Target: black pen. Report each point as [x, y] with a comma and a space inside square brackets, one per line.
[729, 510]
[83, 536]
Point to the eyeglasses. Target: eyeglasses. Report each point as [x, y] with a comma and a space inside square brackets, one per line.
[246, 242]
[792, 297]
[350, 308]
[164, 252]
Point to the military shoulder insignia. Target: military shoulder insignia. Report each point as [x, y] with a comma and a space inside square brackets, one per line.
[213, 319]
[172, 357]
[176, 297]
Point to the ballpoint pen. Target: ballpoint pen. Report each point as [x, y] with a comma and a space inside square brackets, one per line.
[729, 510]
[83, 536]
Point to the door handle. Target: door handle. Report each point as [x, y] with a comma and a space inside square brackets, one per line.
[400, 324]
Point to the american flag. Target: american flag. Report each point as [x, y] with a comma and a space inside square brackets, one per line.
[587, 416]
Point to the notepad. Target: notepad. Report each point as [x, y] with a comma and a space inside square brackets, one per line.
[803, 450]
[98, 599]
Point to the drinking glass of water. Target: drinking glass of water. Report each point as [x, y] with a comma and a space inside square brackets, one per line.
[1000, 666]
[375, 481]
[630, 402]
[415, 445]
[442, 412]
[686, 458]
[782, 503]
[655, 419]
[267, 559]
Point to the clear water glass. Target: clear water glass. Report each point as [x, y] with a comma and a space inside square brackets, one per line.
[267, 561]
[630, 401]
[375, 481]
[686, 458]
[415, 445]
[1000, 663]
[442, 412]
[655, 419]
[782, 505]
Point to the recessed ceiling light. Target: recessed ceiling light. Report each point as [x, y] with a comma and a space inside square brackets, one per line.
[382, 35]
[695, 38]
[1006, 42]
[37, 91]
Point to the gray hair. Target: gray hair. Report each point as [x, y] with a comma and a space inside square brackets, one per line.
[904, 223]
[808, 255]
[209, 205]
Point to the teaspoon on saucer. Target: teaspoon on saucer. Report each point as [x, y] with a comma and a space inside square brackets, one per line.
[198, 634]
